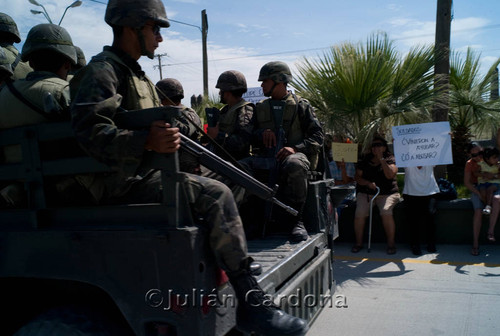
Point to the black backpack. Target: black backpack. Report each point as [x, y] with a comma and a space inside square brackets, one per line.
[447, 190]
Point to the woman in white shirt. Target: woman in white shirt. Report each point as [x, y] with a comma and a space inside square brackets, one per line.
[418, 193]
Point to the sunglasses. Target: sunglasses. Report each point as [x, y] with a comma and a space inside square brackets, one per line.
[476, 154]
[155, 28]
[378, 144]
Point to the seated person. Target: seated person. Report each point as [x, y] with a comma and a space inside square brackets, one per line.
[50, 52]
[487, 187]
[376, 169]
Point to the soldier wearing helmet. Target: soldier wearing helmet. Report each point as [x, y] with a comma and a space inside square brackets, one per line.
[9, 34]
[113, 81]
[80, 63]
[233, 130]
[43, 96]
[50, 52]
[286, 130]
[171, 93]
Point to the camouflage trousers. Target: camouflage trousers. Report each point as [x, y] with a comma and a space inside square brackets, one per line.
[209, 199]
[292, 176]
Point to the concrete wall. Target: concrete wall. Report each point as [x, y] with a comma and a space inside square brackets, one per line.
[453, 224]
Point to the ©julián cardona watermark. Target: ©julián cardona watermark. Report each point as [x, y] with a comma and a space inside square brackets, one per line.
[170, 300]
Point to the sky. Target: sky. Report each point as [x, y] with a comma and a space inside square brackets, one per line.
[244, 35]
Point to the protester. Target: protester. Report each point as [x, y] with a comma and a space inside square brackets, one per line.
[419, 188]
[487, 187]
[376, 169]
[342, 172]
[471, 173]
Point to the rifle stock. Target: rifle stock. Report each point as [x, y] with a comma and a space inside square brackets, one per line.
[139, 119]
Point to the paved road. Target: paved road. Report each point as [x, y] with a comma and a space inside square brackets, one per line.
[446, 293]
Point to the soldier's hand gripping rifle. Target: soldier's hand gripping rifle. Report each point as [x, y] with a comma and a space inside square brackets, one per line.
[143, 118]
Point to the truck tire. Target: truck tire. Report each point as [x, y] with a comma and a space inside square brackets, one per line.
[68, 321]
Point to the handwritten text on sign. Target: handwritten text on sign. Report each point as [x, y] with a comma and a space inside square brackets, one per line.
[426, 144]
[346, 151]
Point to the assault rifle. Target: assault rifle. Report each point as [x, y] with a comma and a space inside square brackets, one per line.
[142, 119]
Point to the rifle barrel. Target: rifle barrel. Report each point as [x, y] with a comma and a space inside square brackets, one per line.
[238, 176]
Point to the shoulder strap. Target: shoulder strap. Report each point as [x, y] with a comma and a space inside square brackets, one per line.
[241, 103]
[32, 106]
[16, 62]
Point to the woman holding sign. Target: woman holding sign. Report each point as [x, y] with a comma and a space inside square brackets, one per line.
[376, 169]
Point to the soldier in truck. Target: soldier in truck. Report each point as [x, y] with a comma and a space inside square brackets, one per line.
[287, 139]
[41, 97]
[113, 81]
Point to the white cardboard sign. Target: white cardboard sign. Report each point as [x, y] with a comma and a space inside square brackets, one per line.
[426, 144]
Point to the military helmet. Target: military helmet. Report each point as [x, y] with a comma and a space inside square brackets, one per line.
[8, 25]
[231, 80]
[48, 36]
[80, 57]
[277, 71]
[133, 13]
[5, 66]
[171, 87]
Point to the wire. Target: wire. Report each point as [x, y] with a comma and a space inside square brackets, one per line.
[103, 3]
[250, 56]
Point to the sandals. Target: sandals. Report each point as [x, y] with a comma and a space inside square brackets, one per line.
[391, 250]
[356, 248]
[491, 238]
[474, 251]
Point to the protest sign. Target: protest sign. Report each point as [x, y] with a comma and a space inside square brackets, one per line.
[346, 151]
[426, 144]
[254, 95]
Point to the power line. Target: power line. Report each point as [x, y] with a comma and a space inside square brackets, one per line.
[495, 26]
[250, 56]
[103, 3]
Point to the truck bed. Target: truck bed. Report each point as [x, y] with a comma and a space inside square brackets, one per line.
[301, 270]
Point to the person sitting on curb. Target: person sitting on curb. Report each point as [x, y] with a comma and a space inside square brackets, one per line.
[471, 173]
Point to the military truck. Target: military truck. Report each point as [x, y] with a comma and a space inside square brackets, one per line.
[138, 269]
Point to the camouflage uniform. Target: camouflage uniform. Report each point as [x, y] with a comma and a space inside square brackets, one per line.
[235, 128]
[36, 86]
[113, 81]
[302, 132]
[5, 67]
[38, 107]
[8, 26]
[170, 91]
[188, 162]
[293, 118]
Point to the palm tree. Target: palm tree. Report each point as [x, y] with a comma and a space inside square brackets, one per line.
[472, 111]
[360, 90]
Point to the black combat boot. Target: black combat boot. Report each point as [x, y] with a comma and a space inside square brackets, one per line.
[299, 232]
[256, 312]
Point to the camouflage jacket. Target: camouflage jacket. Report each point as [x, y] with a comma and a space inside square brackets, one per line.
[302, 129]
[22, 68]
[235, 129]
[188, 162]
[112, 81]
[34, 88]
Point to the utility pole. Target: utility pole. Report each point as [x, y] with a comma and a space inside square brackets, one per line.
[494, 86]
[159, 63]
[204, 33]
[442, 68]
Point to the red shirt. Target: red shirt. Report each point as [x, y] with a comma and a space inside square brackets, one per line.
[473, 168]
